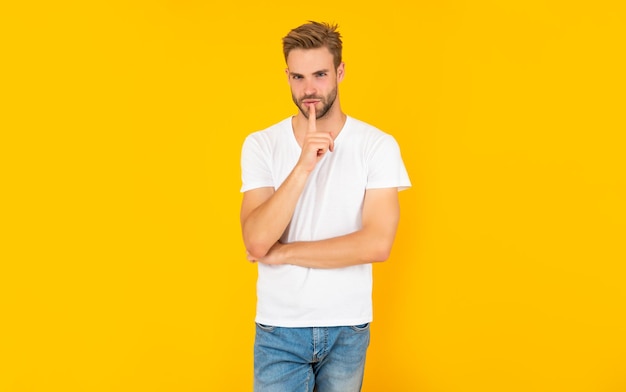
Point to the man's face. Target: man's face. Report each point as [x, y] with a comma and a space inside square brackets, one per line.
[313, 79]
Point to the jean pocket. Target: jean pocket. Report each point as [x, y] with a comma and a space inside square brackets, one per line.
[361, 327]
[266, 328]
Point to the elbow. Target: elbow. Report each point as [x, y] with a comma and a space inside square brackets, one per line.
[381, 252]
[257, 247]
[257, 251]
[378, 243]
[381, 257]
[381, 246]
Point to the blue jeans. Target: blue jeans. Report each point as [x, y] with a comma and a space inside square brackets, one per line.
[321, 359]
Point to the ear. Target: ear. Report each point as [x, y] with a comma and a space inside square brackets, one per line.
[287, 73]
[341, 71]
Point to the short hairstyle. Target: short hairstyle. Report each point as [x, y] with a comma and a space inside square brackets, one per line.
[314, 35]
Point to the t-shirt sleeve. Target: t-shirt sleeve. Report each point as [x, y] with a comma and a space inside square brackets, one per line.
[255, 164]
[385, 166]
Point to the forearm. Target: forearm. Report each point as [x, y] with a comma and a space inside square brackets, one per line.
[264, 225]
[360, 247]
[372, 243]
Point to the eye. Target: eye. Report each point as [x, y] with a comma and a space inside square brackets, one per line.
[321, 74]
[296, 77]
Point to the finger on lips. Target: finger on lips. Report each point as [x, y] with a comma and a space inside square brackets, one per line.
[312, 126]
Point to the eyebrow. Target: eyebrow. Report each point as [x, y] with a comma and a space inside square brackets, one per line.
[314, 73]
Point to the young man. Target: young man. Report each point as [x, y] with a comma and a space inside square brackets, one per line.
[320, 204]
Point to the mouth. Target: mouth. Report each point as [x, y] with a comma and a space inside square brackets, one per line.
[310, 101]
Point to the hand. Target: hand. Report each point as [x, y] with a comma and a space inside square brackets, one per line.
[316, 143]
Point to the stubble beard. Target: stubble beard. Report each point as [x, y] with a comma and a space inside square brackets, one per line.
[327, 102]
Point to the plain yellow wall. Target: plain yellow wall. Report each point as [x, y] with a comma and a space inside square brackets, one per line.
[122, 267]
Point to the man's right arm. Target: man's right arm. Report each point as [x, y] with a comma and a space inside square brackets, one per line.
[265, 213]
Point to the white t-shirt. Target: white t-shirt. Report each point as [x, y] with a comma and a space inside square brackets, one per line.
[330, 206]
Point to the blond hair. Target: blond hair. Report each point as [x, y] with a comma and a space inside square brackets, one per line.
[314, 35]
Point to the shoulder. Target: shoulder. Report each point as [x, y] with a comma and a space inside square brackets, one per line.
[272, 132]
[367, 133]
[269, 138]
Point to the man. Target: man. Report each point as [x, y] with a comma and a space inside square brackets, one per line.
[320, 204]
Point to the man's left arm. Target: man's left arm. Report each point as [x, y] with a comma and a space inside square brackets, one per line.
[372, 243]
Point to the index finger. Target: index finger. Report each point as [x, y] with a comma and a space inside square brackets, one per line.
[312, 126]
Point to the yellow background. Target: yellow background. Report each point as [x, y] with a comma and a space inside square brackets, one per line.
[122, 267]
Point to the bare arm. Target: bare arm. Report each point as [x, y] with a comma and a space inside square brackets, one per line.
[265, 214]
[381, 213]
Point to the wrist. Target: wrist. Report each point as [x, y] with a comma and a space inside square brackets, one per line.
[282, 252]
[301, 172]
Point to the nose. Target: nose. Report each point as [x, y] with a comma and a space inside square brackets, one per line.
[309, 88]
